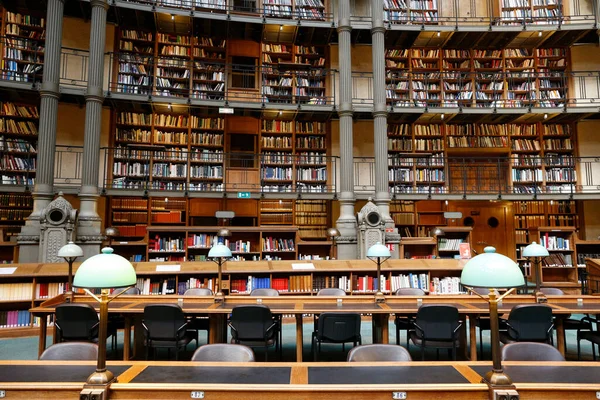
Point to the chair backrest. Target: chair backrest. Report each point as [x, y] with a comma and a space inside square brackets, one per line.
[438, 321]
[530, 351]
[338, 327]
[331, 292]
[77, 321]
[251, 322]
[410, 292]
[532, 322]
[198, 292]
[266, 292]
[224, 352]
[163, 321]
[134, 291]
[379, 352]
[550, 291]
[71, 351]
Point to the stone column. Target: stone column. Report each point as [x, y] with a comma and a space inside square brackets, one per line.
[43, 190]
[89, 223]
[382, 193]
[346, 223]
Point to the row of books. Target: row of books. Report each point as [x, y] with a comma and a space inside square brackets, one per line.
[555, 242]
[16, 291]
[149, 287]
[15, 319]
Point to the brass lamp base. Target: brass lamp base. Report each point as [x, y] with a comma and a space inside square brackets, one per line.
[497, 378]
[379, 297]
[101, 378]
[540, 297]
[219, 297]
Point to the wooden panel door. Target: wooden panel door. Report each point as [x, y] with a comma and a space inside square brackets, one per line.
[492, 225]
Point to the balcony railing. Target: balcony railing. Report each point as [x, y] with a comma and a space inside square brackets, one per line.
[158, 167]
[301, 11]
[286, 84]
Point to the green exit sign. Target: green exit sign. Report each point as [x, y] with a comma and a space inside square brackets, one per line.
[243, 195]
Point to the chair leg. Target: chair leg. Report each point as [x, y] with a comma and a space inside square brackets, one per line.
[480, 342]
[398, 335]
[266, 353]
[594, 351]
[578, 348]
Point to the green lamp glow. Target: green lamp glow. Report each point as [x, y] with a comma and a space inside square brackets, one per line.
[491, 270]
[105, 271]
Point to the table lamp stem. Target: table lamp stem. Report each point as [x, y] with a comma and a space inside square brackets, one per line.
[496, 377]
[102, 376]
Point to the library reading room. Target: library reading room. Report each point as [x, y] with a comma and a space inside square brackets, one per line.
[341, 199]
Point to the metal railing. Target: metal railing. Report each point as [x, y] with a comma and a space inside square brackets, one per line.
[251, 8]
[179, 78]
[165, 167]
[461, 12]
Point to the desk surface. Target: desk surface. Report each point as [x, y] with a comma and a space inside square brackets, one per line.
[176, 380]
[466, 304]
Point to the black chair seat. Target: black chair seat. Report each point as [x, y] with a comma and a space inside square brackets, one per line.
[184, 341]
[593, 337]
[336, 328]
[577, 324]
[255, 326]
[418, 341]
[80, 323]
[528, 323]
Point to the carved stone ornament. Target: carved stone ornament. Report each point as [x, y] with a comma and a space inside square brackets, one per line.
[346, 239]
[98, 238]
[392, 237]
[28, 238]
[57, 212]
[367, 210]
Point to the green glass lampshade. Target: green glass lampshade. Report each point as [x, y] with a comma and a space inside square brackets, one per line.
[105, 271]
[378, 250]
[219, 250]
[535, 250]
[70, 250]
[491, 270]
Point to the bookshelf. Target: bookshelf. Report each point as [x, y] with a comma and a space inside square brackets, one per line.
[418, 247]
[131, 159]
[277, 8]
[559, 269]
[517, 12]
[294, 73]
[559, 151]
[411, 11]
[23, 55]
[18, 143]
[430, 174]
[513, 77]
[172, 76]
[208, 80]
[310, 153]
[310, 9]
[135, 62]
[276, 149]
[206, 157]
[276, 212]
[448, 244]
[526, 151]
[130, 216]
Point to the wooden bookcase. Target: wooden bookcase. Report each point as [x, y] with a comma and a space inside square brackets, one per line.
[23, 46]
[411, 11]
[448, 244]
[517, 12]
[276, 149]
[431, 158]
[18, 143]
[559, 269]
[513, 77]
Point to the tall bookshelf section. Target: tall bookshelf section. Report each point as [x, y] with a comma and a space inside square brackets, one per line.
[526, 165]
[559, 269]
[23, 55]
[294, 73]
[310, 153]
[173, 65]
[135, 62]
[168, 151]
[209, 57]
[518, 12]
[18, 143]
[207, 138]
[508, 78]
[277, 161]
[559, 147]
[411, 11]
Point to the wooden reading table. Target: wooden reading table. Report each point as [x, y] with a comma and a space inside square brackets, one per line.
[132, 307]
[331, 381]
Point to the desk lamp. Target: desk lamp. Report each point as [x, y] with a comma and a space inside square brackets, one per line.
[219, 252]
[110, 233]
[378, 253]
[535, 253]
[493, 271]
[333, 233]
[104, 271]
[70, 252]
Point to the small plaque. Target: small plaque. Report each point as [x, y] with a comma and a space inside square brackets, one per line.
[8, 271]
[197, 394]
[303, 266]
[399, 395]
[168, 268]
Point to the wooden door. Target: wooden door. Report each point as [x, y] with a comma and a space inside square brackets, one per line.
[492, 225]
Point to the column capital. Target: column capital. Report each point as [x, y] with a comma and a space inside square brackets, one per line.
[345, 112]
[99, 3]
[344, 28]
[378, 29]
[48, 92]
[380, 113]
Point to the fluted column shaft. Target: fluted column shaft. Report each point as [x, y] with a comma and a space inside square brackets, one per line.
[346, 222]
[49, 94]
[93, 113]
[382, 195]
